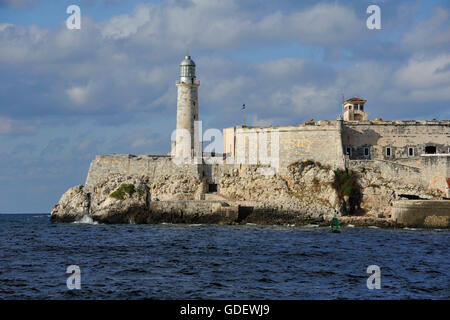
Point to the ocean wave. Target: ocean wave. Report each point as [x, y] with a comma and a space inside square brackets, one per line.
[86, 220]
[311, 226]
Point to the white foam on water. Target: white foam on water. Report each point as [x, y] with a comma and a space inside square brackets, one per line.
[195, 225]
[86, 220]
[250, 224]
[406, 228]
[373, 227]
[311, 226]
[350, 226]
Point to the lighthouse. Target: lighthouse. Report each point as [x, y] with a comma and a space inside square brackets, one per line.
[187, 110]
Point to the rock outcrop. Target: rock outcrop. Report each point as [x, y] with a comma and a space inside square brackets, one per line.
[73, 205]
[115, 200]
[308, 191]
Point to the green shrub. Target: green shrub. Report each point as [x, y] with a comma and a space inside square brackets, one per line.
[346, 184]
[124, 188]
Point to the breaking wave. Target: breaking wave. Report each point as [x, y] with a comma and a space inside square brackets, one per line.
[86, 220]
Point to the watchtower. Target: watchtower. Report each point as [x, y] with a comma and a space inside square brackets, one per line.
[354, 109]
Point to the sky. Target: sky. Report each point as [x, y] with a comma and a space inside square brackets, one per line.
[68, 95]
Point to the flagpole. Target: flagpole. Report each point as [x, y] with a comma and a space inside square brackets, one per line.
[243, 109]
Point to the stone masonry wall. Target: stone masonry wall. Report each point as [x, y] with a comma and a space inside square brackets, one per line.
[388, 169]
[154, 168]
[320, 142]
[399, 136]
[435, 171]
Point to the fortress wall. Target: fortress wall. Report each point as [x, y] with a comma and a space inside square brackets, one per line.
[305, 142]
[321, 144]
[418, 213]
[399, 135]
[402, 173]
[145, 165]
[435, 171]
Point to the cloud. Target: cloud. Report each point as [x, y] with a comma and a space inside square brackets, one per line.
[430, 34]
[3, 26]
[11, 126]
[79, 95]
[110, 87]
[5, 126]
[17, 4]
[425, 79]
[216, 24]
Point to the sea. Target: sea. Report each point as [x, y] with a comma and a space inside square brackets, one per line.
[197, 261]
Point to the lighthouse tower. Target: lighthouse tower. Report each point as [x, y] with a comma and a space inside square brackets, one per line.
[187, 109]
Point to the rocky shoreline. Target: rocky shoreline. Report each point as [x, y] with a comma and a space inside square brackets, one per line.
[309, 193]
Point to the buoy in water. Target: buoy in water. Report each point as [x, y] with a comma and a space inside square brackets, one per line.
[334, 226]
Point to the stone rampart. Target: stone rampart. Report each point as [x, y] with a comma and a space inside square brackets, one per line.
[406, 140]
[153, 167]
[435, 171]
[403, 173]
[284, 145]
[414, 213]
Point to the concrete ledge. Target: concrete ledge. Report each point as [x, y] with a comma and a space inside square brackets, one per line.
[414, 212]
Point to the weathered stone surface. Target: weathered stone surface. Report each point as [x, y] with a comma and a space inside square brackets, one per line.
[414, 213]
[73, 205]
[305, 192]
[132, 208]
[437, 221]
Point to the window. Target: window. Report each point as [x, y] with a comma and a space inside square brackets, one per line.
[366, 151]
[410, 152]
[388, 151]
[430, 150]
[350, 107]
[349, 151]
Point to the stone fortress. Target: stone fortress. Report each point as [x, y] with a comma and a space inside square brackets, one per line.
[285, 173]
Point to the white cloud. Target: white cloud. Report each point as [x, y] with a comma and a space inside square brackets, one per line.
[422, 73]
[3, 26]
[326, 24]
[5, 125]
[124, 25]
[430, 34]
[79, 95]
[215, 24]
